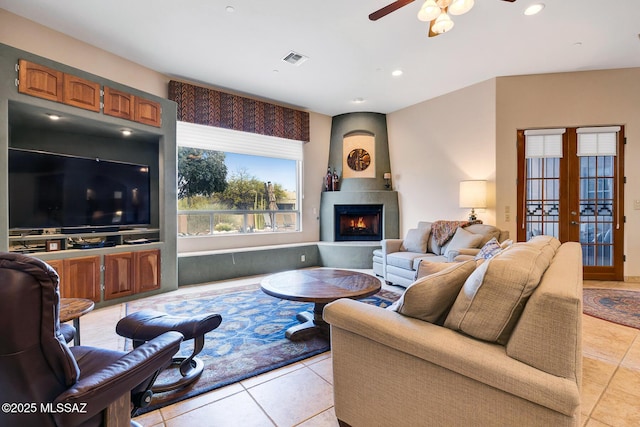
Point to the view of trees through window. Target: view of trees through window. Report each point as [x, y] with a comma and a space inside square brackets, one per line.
[223, 193]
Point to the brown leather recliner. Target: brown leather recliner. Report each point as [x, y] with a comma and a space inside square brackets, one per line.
[44, 382]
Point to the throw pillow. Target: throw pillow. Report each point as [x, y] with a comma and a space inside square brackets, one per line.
[463, 239]
[416, 240]
[426, 267]
[492, 299]
[490, 249]
[430, 298]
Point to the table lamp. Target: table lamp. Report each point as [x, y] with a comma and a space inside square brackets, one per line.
[473, 194]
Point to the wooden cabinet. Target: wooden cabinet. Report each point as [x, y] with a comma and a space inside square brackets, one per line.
[38, 80]
[81, 93]
[44, 82]
[147, 270]
[118, 103]
[79, 277]
[147, 112]
[131, 107]
[118, 275]
[129, 273]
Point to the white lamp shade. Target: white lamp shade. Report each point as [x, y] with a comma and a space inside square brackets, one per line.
[443, 24]
[458, 7]
[429, 11]
[473, 194]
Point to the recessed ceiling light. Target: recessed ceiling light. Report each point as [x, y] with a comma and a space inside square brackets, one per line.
[358, 100]
[534, 9]
[397, 73]
[126, 132]
[230, 9]
[54, 116]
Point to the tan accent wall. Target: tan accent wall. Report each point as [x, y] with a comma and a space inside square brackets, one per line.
[589, 98]
[438, 143]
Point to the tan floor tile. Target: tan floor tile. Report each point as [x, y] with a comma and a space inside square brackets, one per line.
[595, 423]
[324, 368]
[620, 404]
[606, 340]
[238, 410]
[177, 409]
[317, 358]
[596, 375]
[323, 419]
[268, 376]
[150, 419]
[632, 359]
[295, 397]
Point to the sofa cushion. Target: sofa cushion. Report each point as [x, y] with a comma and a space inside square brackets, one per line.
[490, 249]
[488, 232]
[492, 298]
[430, 297]
[463, 239]
[403, 259]
[416, 240]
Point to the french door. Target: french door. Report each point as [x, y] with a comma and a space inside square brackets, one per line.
[571, 186]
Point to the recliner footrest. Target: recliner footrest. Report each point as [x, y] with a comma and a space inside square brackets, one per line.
[145, 325]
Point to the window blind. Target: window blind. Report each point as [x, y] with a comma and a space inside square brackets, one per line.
[543, 143]
[597, 141]
[233, 141]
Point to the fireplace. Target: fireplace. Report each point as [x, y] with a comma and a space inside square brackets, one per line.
[357, 223]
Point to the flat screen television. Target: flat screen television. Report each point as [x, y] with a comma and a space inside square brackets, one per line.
[51, 190]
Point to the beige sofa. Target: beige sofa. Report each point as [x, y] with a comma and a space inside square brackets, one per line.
[398, 259]
[392, 369]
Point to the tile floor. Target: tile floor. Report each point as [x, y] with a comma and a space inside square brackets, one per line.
[301, 394]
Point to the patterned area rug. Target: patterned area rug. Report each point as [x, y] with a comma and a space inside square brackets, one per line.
[250, 341]
[615, 305]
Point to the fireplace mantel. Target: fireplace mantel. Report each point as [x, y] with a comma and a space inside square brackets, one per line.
[388, 200]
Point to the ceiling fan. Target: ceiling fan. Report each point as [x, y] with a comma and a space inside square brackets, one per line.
[436, 12]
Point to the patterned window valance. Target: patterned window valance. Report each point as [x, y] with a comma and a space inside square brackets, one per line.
[205, 106]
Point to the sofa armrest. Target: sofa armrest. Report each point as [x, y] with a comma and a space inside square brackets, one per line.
[390, 246]
[481, 361]
[118, 378]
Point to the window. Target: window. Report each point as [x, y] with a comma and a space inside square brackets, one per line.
[232, 182]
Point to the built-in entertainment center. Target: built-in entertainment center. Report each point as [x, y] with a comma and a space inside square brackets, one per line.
[98, 205]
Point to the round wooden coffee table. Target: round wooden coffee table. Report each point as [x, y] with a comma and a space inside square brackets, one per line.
[319, 286]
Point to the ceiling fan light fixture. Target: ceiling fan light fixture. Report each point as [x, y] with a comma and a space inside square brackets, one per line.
[429, 11]
[459, 7]
[443, 24]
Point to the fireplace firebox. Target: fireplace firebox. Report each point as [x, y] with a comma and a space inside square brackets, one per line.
[357, 223]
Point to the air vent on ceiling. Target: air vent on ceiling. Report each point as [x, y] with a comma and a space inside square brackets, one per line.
[295, 58]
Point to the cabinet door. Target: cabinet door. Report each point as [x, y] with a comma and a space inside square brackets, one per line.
[118, 275]
[147, 112]
[56, 264]
[118, 104]
[81, 278]
[147, 270]
[81, 93]
[38, 80]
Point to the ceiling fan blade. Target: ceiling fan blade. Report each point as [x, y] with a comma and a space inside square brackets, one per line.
[388, 9]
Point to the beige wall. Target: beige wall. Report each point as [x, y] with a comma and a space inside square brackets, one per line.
[589, 98]
[26, 35]
[438, 143]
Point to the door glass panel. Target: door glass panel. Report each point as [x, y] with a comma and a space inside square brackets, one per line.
[596, 210]
[543, 196]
